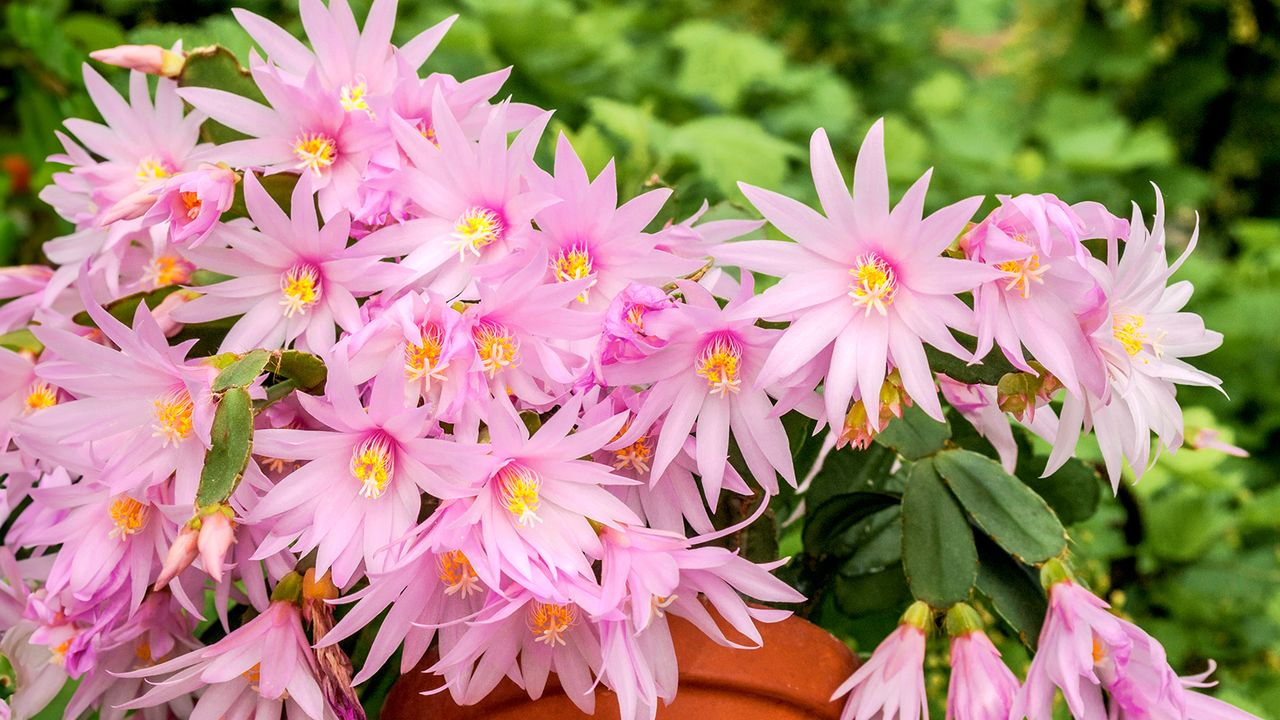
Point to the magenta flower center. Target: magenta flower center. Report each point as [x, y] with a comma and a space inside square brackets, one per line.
[719, 362]
[549, 622]
[573, 263]
[315, 152]
[456, 573]
[873, 283]
[476, 229]
[300, 287]
[497, 347]
[518, 487]
[373, 465]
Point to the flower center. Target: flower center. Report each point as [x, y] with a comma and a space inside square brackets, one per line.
[422, 361]
[152, 168]
[39, 396]
[475, 229]
[519, 486]
[873, 284]
[1128, 330]
[173, 417]
[301, 289]
[573, 263]
[496, 346]
[636, 455]
[128, 516]
[549, 622]
[191, 201]
[1099, 651]
[1022, 273]
[718, 363]
[456, 573]
[634, 317]
[353, 98]
[166, 270]
[373, 465]
[316, 151]
[428, 131]
[661, 603]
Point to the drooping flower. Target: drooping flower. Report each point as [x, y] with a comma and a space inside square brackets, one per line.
[982, 687]
[890, 684]
[864, 281]
[292, 279]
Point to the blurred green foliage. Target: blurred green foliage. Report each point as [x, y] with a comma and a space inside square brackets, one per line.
[1090, 99]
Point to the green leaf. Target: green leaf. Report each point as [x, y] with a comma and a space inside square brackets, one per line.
[727, 149]
[306, 370]
[242, 372]
[279, 186]
[825, 524]
[993, 367]
[232, 437]
[876, 543]
[1073, 492]
[914, 435]
[872, 592]
[850, 470]
[938, 552]
[1004, 507]
[124, 308]
[22, 339]
[1014, 591]
[217, 67]
[721, 64]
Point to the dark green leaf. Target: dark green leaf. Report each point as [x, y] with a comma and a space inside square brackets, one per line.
[825, 524]
[850, 470]
[1005, 508]
[876, 543]
[124, 308]
[217, 67]
[1073, 491]
[306, 370]
[232, 437]
[242, 372]
[1014, 591]
[938, 554]
[993, 367]
[915, 434]
[873, 592]
[21, 340]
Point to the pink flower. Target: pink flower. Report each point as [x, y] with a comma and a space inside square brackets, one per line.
[192, 202]
[865, 281]
[217, 533]
[263, 668]
[1046, 299]
[23, 287]
[1143, 346]
[361, 487]
[1204, 707]
[292, 280]
[890, 684]
[982, 687]
[708, 373]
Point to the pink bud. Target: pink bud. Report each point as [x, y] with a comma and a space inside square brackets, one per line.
[216, 535]
[180, 556]
[150, 59]
[131, 206]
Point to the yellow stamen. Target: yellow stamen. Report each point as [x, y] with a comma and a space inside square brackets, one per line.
[549, 623]
[1022, 273]
[475, 229]
[166, 270]
[373, 465]
[456, 573]
[1128, 330]
[40, 395]
[636, 455]
[573, 263]
[58, 654]
[353, 98]
[635, 317]
[301, 289]
[191, 201]
[422, 361]
[143, 651]
[497, 348]
[1099, 651]
[718, 363]
[661, 603]
[315, 151]
[152, 168]
[129, 516]
[874, 284]
[428, 131]
[253, 675]
[173, 417]
[518, 487]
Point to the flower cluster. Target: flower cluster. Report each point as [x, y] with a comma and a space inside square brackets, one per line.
[530, 395]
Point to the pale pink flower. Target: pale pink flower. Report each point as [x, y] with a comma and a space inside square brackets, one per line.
[192, 202]
[890, 684]
[23, 290]
[1204, 707]
[982, 687]
[862, 280]
[217, 533]
[38, 678]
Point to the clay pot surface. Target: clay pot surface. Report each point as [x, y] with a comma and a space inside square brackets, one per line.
[790, 678]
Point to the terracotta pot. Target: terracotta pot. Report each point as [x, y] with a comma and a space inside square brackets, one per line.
[790, 678]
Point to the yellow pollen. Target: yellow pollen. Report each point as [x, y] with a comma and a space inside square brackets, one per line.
[549, 623]
[191, 201]
[301, 289]
[1099, 651]
[143, 651]
[518, 486]
[1022, 273]
[151, 169]
[353, 98]
[428, 131]
[873, 285]
[1128, 330]
[253, 675]
[635, 317]
[573, 263]
[173, 417]
[497, 348]
[475, 229]
[166, 270]
[129, 516]
[39, 396]
[718, 363]
[315, 151]
[636, 455]
[58, 655]
[456, 573]
[422, 361]
[373, 465]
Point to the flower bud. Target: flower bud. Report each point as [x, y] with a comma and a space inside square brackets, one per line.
[217, 532]
[150, 59]
[180, 556]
